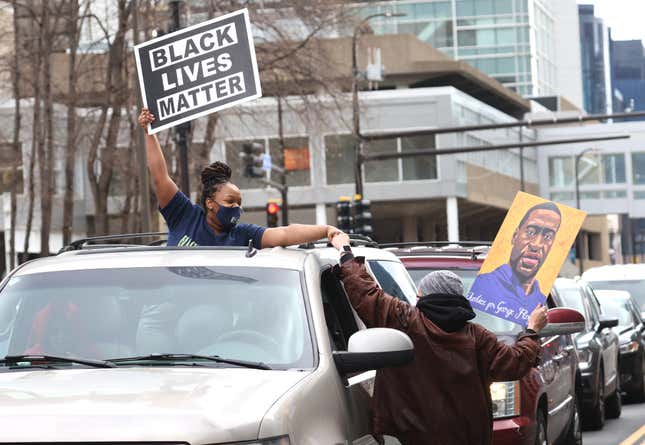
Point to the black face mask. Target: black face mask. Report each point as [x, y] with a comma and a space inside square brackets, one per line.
[228, 217]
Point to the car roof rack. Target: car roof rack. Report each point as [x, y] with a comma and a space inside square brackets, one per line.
[470, 249]
[82, 243]
[355, 240]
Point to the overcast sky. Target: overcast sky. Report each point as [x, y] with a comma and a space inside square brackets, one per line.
[625, 17]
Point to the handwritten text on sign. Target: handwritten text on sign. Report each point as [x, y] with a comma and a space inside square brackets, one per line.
[198, 70]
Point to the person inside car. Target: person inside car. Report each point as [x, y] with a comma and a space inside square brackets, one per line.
[443, 396]
[215, 221]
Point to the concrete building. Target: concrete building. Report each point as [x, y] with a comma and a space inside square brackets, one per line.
[530, 46]
[611, 181]
[596, 65]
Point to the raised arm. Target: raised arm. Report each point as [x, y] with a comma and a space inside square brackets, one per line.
[296, 234]
[375, 307]
[164, 186]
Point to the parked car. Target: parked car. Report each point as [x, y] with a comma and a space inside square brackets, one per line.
[195, 345]
[629, 277]
[597, 348]
[631, 336]
[538, 409]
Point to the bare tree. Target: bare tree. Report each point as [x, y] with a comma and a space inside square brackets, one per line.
[17, 150]
[101, 159]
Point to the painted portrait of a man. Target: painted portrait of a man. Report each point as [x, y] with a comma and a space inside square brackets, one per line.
[514, 284]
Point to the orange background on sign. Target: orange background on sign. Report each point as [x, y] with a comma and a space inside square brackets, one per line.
[500, 252]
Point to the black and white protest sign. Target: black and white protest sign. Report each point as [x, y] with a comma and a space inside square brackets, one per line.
[198, 70]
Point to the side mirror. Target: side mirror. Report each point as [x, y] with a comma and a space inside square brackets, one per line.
[562, 321]
[375, 348]
[607, 322]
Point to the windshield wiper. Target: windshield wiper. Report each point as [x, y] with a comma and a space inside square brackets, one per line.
[212, 358]
[15, 359]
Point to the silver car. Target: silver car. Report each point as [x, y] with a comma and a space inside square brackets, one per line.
[193, 346]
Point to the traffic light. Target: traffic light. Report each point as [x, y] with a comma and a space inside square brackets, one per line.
[362, 216]
[344, 218]
[252, 158]
[273, 209]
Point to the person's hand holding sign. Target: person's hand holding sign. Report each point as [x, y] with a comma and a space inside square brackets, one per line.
[145, 118]
[537, 319]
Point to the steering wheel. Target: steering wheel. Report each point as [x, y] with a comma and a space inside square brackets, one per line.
[253, 337]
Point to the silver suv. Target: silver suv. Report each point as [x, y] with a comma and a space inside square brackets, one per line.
[192, 346]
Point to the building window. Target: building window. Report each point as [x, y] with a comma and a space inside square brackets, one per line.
[600, 169]
[234, 160]
[294, 177]
[382, 171]
[339, 150]
[418, 167]
[638, 167]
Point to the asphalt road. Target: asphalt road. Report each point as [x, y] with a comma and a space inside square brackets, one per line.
[629, 429]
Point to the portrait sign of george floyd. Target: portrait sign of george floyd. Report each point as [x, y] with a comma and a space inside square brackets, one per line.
[198, 70]
[525, 258]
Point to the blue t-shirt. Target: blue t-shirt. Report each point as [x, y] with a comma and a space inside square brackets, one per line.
[187, 226]
[500, 293]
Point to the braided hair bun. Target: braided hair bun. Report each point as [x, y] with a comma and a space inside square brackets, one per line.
[213, 176]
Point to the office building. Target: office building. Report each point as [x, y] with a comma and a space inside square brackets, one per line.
[596, 67]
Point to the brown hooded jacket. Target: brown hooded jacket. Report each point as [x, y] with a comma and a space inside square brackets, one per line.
[443, 396]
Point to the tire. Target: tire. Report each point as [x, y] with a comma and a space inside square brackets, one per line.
[540, 428]
[574, 430]
[595, 417]
[638, 395]
[615, 402]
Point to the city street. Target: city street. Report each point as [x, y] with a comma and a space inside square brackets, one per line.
[628, 430]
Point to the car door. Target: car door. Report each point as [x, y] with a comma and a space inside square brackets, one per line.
[608, 341]
[559, 368]
[342, 322]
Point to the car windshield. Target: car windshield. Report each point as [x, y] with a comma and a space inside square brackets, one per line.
[253, 314]
[494, 324]
[616, 308]
[394, 280]
[635, 287]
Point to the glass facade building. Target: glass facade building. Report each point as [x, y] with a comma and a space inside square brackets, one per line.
[512, 41]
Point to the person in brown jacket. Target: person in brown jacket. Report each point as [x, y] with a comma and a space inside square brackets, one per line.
[443, 396]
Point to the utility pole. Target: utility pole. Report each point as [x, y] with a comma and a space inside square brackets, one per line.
[182, 130]
[284, 189]
[356, 113]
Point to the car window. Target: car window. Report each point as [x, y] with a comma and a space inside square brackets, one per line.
[339, 317]
[255, 314]
[490, 322]
[617, 308]
[467, 275]
[394, 279]
[572, 297]
[635, 287]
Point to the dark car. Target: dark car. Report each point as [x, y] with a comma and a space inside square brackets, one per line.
[597, 349]
[631, 337]
[541, 407]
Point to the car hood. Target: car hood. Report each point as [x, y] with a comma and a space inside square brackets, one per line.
[139, 404]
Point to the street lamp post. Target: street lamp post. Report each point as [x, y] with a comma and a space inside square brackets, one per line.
[358, 143]
[576, 170]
